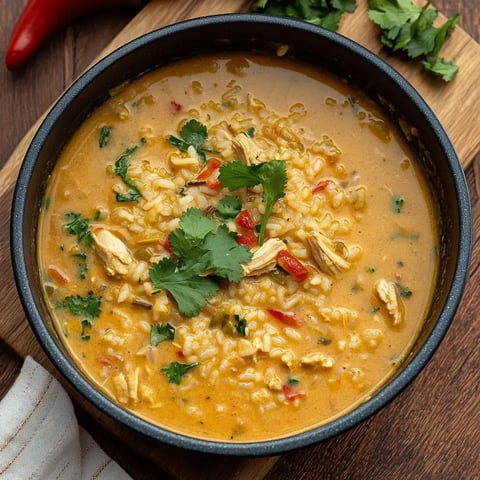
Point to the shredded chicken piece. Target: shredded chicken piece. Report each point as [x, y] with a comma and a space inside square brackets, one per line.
[113, 252]
[388, 294]
[264, 259]
[317, 358]
[272, 380]
[328, 254]
[246, 148]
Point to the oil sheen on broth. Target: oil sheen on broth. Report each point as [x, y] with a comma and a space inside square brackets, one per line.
[151, 262]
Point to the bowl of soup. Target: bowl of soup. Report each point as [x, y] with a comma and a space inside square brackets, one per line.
[240, 234]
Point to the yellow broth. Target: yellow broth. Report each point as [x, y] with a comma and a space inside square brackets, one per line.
[353, 184]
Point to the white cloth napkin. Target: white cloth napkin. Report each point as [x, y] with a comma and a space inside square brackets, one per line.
[40, 437]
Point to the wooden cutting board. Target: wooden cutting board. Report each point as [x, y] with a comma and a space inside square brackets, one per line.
[454, 104]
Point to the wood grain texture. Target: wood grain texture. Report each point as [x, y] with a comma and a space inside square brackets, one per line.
[431, 431]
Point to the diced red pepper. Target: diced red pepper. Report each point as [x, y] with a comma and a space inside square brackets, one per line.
[166, 245]
[180, 354]
[104, 361]
[292, 393]
[287, 318]
[245, 220]
[57, 275]
[292, 265]
[209, 169]
[247, 239]
[175, 107]
[320, 186]
[214, 184]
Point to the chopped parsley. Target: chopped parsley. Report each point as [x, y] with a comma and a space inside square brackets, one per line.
[88, 307]
[203, 251]
[404, 291]
[324, 340]
[175, 371]
[228, 207]
[78, 226]
[271, 175]
[240, 325]
[293, 381]
[325, 13]
[192, 134]
[397, 202]
[121, 169]
[409, 28]
[104, 136]
[161, 333]
[82, 265]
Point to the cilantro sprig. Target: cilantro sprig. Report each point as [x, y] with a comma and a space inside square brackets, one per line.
[271, 175]
[161, 333]
[78, 226]
[325, 13]
[408, 28]
[88, 307]
[121, 169]
[192, 134]
[175, 371]
[203, 251]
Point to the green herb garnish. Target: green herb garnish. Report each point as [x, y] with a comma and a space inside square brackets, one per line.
[324, 340]
[161, 333]
[78, 226]
[192, 134]
[240, 325]
[325, 13]
[271, 175]
[404, 292]
[204, 251]
[104, 136]
[228, 207]
[175, 371]
[408, 28]
[88, 307]
[293, 381]
[397, 203]
[82, 265]
[121, 169]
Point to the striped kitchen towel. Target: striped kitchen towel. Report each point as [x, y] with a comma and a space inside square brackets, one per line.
[40, 437]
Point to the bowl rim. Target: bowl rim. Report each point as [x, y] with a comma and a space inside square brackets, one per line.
[252, 448]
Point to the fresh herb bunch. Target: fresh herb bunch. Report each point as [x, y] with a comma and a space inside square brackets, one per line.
[409, 29]
[325, 13]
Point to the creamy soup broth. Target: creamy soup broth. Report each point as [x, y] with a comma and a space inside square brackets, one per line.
[279, 350]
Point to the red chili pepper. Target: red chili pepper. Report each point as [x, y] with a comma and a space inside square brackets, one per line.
[292, 265]
[320, 186]
[209, 169]
[292, 393]
[245, 220]
[287, 318]
[214, 184]
[166, 245]
[41, 18]
[247, 240]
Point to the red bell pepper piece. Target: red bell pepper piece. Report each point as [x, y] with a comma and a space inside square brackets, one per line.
[292, 265]
[320, 186]
[245, 220]
[41, 18]
[292, 393]
[247, 240]
[287, 318]
[210, 168]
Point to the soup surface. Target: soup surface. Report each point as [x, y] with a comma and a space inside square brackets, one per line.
[238, 247]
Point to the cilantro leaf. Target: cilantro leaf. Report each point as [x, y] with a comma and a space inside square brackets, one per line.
[409, 29]
[228, 207]
[78, 226]
[325, 13]
[193, 133]
[190, 290]
[104, 136]
[196, 224]
[88, 307]
[226, 255]
[161, 333]
[241, 325]
[175, 371]
[121, 169]
[271, 175]
[440, 67]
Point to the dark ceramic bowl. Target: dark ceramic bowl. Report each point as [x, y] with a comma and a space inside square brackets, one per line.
[246, 32]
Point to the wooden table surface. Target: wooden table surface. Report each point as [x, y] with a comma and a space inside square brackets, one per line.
[431, 431]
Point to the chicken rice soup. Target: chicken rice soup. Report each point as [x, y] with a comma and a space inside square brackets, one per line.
[238, 247]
